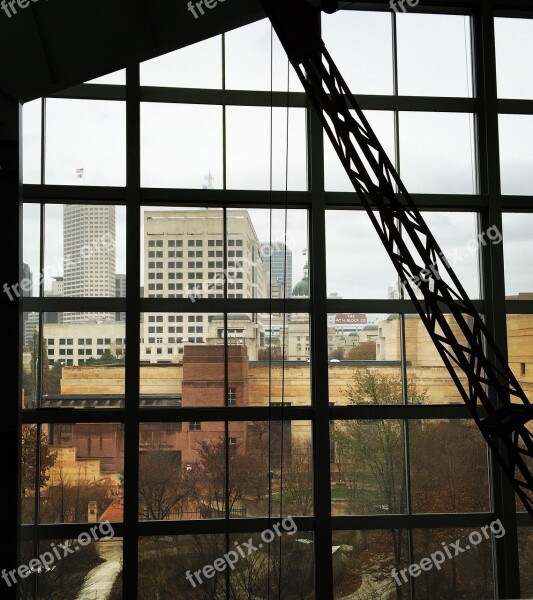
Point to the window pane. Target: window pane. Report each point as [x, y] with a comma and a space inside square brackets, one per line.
[83, 480]
[31, 358]
[525, 553]
[181, 248]
[354, 339]
[182, 359]
[116, 78]
[196, 66]
[283, 568]
[181, 145]
[357, 264]
[335, 177]
[437, 152]
[270, 468]
[249, 150]
[278, 266]
[83, 360]
[516, 151]
[349, 34]
[426, 372]
[89, 564]
[182, 471]
[461, 243]
[85, 142]
[434, 55]
[185, 370]
[85, 250]
[459, 449]
[514, 54]
[362, 562]
[252, 69]
[468, 576]
[31, 141]
[31, 251]
[518, 256]
[282, 373]
[368, 456]
[28, 473]
[520, 350]
[165, 562]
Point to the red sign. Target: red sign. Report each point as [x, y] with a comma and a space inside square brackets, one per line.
[350, 319]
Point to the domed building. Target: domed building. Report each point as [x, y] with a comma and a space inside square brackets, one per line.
[301, 289]
[298, 323]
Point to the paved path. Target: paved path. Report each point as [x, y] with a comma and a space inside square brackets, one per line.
[99, 581]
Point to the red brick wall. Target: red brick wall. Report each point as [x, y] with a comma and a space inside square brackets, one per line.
[203, 375]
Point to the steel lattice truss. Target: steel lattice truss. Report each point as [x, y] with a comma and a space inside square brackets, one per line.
[489, 388]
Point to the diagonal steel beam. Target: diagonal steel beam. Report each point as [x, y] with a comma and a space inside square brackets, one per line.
[483, 378]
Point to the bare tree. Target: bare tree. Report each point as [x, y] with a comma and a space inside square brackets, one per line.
[67, 500]
[246, 477]
[297, 485]
[165, 486]
[29, 466]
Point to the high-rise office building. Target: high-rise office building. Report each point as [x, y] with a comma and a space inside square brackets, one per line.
[277, 261]
[120, 292]
[184, 258]
[57, 287]
[27, 275]
[31, 320]
[88, 256]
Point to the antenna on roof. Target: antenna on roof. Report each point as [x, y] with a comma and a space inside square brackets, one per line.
[209, 182]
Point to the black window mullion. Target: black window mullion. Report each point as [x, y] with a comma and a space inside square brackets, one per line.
[133, 313]
[506, 570]
[319, 362]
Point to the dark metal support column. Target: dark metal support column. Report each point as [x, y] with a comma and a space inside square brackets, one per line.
[507, 576]
[133, 313]
[11, 246]
[319, 361]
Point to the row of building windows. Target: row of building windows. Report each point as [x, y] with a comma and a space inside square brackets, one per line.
[191, 329]
[179, 286]
[193, 254]
[196, 295]
[191, 340]
[81, 352]
[84, 341]
[192, 243]
[196, 275]
[175, 318]
[210, 265]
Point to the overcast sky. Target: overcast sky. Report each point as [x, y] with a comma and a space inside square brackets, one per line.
[181, 144]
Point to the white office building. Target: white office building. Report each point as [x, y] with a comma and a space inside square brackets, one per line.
[88, 256]
[184, 258]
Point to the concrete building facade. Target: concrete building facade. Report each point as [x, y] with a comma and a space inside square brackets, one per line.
[75, 343]
[184, 258]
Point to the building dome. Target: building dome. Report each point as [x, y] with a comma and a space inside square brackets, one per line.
[301, 289]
